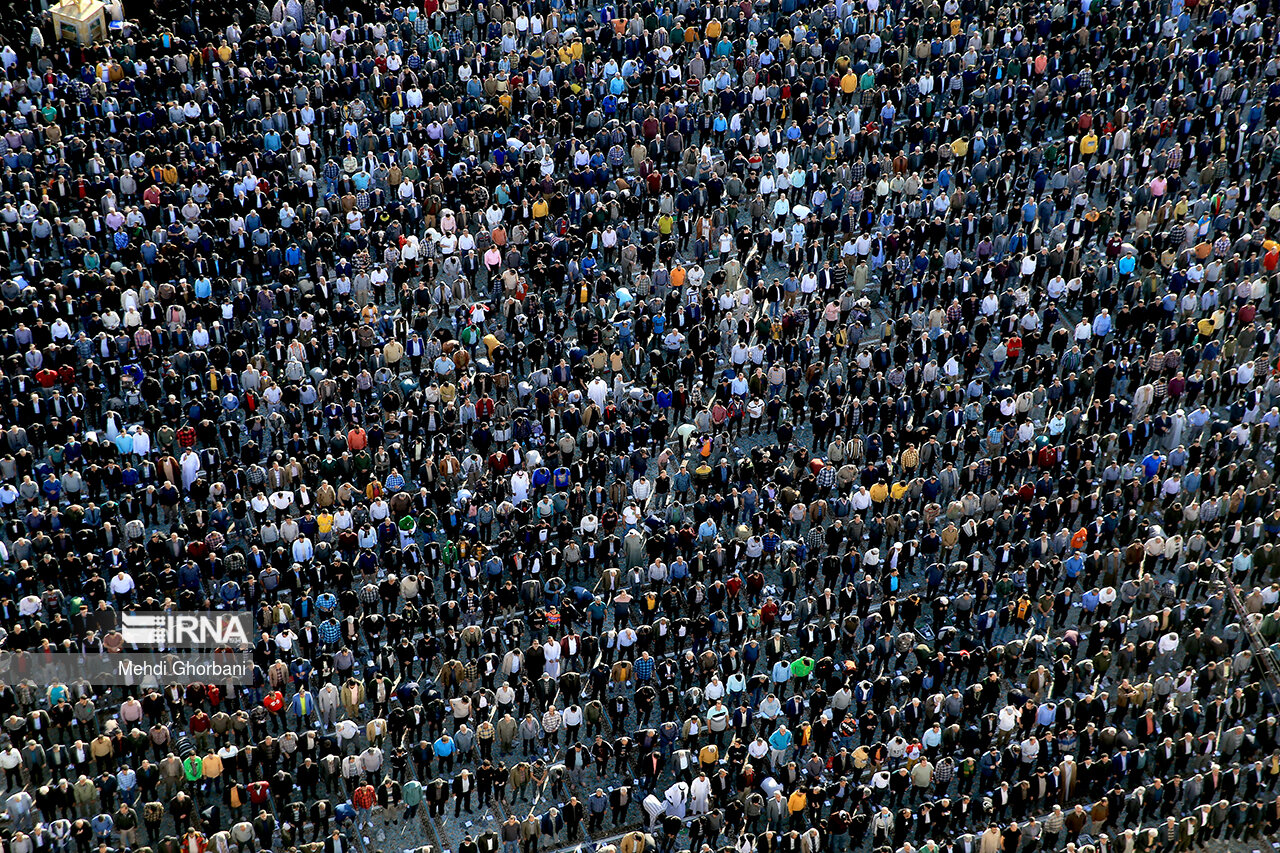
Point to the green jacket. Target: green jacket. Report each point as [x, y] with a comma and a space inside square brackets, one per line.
[801, 667]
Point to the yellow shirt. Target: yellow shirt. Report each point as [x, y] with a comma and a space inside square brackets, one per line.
[879, 492]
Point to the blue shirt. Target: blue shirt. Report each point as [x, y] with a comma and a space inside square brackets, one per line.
[1151, 465]
[1073, 566]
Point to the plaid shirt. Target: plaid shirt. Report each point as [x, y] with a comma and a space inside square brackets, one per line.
[826, 477]
[364, 797]
[551, 721]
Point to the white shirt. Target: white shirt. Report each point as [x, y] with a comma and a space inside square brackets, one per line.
[141, 443]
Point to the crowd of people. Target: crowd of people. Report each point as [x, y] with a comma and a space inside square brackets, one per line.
[760, 427]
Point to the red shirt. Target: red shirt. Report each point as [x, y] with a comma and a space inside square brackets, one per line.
[768, 612]
[364, 797]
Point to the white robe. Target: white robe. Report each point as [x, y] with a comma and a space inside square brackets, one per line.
[1178, 425]
[190, 469]
[519, 486]
[678, 799]
[700, 795]
[551, 651]
[598, 391]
